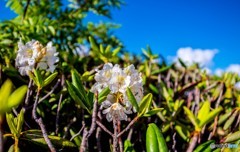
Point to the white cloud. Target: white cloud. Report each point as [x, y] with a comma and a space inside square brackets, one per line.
[189, 55]
[237, 85]
[235, 68]
[219, 71]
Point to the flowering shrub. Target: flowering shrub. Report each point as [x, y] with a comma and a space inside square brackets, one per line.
[83, 92]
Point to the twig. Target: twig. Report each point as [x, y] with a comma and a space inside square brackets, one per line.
[94, 117]
[128, 127]
[57, 116]
[83, 147]
[59, 106]
[192, 143]
[115, 137]
[174, 142]
[86, 133]
[28, 92]
[77, 134]
[120, 139]
[104, 128]
[40, 123]
[98, 138]
[49, 93]
[74, 119]
[129, 137]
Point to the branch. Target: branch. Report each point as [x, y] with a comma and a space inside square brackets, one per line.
[104, 128]
[86, 133]
[28, 92]
[59, 106]
[128, 127]
[78, 133]
[49, 93]
[40, 123]
[192, 143]
[115, 137]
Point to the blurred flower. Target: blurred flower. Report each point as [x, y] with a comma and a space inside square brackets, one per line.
[81, 50]
[118, 80]
[34, 55]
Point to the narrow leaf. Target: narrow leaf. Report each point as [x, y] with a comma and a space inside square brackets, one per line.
[17, 97]
[132, 99]
[191, 117]
[210, 116]
[49, 79]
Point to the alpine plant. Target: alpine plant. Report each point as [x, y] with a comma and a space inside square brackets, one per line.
[118, 80]
[33, 55]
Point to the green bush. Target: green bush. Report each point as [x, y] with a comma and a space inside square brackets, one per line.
[85, 92]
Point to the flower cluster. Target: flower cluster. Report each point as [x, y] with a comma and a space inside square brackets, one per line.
[34, 55]
[118, 80]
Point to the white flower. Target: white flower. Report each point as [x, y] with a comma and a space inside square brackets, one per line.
[26, 55]
[118, 80]
[49, 58]
[34, 55]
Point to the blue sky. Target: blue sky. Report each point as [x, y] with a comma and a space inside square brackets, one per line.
[168, 25]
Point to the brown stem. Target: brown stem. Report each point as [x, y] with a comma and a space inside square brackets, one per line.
[86, 133]
[59, 106]
[49, 93]
[128, 127]
[104, 128]
[119, 138]
[192, 143]
[41, 124]
[28, 92]
[98, 138]
[84, 145]
[115, 137]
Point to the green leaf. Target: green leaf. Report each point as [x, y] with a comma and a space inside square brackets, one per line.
[93, 44]
[210, 116]
[162, 69]
[20, 121]
[182, 63]
[52, 30]
[17, 97]
[75, 95]
[108, 49]
[49, 79]
[152, 112]
[204, 111]
[153, 88]
[33, 78]
[5, 92]
[36, 137]
[11, 124]
[128, 147]
[103, 94]
[145, 104]
[155, 141]
[77, 139]
[38, 78]
[76, 81]
[232, 137]
[205, 146]
[230, 120]
[182, 131]
[192, 118]
[132, 99]
[115, 51]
